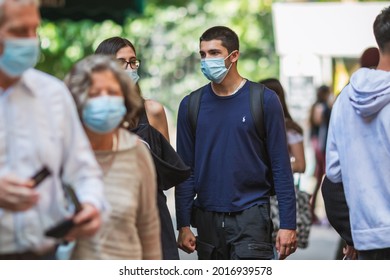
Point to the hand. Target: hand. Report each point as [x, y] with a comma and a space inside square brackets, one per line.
[87, 222]
[186, 240]
[350, 253]
[286, 242]
[17, 194]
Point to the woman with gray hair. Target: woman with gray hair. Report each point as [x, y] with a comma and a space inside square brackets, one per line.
[106, 100]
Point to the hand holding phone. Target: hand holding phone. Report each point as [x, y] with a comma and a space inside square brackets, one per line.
[17, 193]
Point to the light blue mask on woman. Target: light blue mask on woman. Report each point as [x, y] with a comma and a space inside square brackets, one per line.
[133, 74]
[19, 55]
[214, 69]
[104, 113]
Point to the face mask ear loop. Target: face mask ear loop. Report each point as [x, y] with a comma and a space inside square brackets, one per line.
[231, 63]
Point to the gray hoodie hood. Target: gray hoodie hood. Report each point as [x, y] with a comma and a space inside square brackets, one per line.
[369, 91]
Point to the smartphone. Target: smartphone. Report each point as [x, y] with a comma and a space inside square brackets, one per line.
[40, 176]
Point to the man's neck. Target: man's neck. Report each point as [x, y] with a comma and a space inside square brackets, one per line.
[229, 85]
[384, 62]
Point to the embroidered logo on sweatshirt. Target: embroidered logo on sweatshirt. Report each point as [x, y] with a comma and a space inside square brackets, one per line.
[243, 119]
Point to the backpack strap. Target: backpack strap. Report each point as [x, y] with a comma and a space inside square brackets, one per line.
[193, 106]
[256, 92]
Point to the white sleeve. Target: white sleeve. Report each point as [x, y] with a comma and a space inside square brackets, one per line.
[333, 168]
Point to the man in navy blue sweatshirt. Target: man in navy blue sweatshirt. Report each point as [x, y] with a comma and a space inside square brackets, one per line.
[227, 195]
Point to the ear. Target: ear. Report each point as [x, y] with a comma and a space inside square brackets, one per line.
[235, 55]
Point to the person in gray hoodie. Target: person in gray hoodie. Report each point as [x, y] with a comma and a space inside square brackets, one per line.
[358, 149]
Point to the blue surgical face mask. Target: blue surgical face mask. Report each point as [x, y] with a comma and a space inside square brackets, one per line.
[133, 74]
[214, 69]
[19, 55]
[104, 113]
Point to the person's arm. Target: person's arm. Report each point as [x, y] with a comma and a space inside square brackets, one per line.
[157, 117]
[280, 160]
[318, 113]
[282, 175]
[148, 221]
[298, 164]
[185, 192]
[297, 152]
[333, 168]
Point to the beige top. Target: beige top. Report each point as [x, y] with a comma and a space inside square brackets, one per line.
[133, 228]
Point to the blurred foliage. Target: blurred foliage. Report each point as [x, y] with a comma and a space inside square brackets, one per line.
[166, 38]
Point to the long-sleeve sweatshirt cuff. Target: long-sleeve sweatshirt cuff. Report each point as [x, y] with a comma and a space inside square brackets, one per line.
[288, 226]
[183, 223]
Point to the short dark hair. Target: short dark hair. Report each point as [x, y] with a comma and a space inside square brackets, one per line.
[228, 37]
[323, 92]
[112, 45]
[382, 30]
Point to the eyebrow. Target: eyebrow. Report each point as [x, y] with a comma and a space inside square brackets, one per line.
[131, 58]
[211, 50]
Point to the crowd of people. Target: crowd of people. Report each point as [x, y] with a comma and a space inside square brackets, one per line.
[238, 148]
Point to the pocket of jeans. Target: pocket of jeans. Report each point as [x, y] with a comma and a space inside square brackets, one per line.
[253, 250]
[205, 250]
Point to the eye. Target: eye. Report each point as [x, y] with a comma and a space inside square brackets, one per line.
[93, 94]
[122, 62]
[113, 93]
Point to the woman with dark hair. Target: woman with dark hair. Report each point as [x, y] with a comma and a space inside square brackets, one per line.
[151, 118]
[123, 50]
[294, 130]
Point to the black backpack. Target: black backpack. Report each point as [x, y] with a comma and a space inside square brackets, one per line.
[256, 92]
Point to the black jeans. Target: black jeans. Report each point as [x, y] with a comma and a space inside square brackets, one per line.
[377, 254]
[235, 236]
